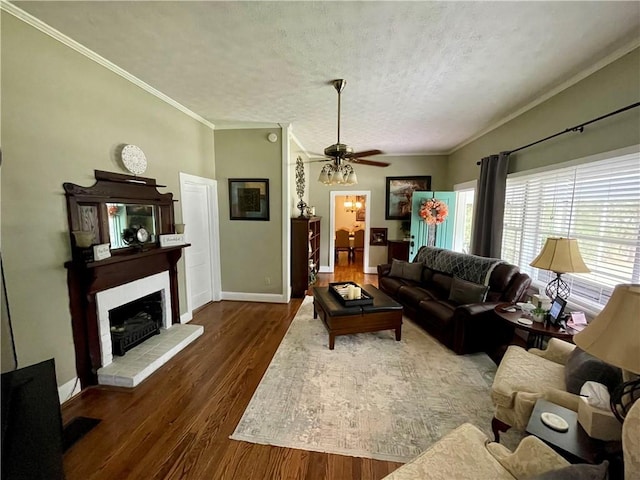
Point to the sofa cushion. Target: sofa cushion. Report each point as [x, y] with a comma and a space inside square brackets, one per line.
[442, 282]
[582, 367]
[397, 268]
[406, 270]
[391, 285]
[581, 471]
[412, 296]
[437, 312]
[463, 292]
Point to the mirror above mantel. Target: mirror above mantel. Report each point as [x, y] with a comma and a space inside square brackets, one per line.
[113, 209]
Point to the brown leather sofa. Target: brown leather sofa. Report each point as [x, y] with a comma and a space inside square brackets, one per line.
[463, 327]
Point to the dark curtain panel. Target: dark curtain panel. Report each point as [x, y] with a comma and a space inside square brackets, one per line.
[486, 239]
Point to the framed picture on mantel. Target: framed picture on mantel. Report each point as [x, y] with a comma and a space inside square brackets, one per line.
[399, 192]
[249, 199]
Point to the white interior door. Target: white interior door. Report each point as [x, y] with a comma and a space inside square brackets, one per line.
[199, 214]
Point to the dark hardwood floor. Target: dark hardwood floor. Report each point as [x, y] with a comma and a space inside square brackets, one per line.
[176, 424]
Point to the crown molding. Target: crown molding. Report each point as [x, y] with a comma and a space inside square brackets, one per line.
[612, 57]
[90, 54]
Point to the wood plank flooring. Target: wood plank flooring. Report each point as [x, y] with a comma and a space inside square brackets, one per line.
[176, 424]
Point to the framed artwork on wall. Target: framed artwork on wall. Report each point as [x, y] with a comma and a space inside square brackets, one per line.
[399, 191]
[249, 199]
[378, 236]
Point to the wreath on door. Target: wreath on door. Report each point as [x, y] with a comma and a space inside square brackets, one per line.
[433, 211]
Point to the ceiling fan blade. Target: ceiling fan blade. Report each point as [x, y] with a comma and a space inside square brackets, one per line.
[366, 153]
[364, 161]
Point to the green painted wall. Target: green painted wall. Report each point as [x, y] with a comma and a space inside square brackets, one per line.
[373, 179]
[608, 89]
[63, 116]
[250, 251]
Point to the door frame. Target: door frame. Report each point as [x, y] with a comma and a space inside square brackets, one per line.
[214, 238]
[367, 221]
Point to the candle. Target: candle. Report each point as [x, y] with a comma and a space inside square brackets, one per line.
[357, 292]
[351, 292]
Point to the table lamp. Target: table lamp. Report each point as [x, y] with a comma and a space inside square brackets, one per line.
[560, 255]
[614, 337]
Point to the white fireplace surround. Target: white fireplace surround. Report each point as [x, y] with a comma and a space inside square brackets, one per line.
[123, 294]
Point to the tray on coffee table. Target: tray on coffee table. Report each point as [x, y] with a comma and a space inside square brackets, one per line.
[339, 290]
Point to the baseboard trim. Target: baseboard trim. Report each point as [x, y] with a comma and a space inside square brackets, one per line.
[371, 270]
[325, 269]
[253, 297]
[69, 390]
[186, 317]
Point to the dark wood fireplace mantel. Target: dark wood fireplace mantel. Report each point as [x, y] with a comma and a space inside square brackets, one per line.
[88, 211]
[85, 280]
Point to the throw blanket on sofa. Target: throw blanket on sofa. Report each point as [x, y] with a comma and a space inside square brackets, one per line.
[468, 267]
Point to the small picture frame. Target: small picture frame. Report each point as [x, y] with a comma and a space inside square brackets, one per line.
[249, 199]
[378, 236]
[399, 192]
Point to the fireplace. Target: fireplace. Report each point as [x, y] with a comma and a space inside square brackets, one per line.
[132, 323]
[98, 284]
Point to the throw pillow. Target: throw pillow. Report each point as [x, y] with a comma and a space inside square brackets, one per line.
[463, 292]
[397, 268]
[412, 271]
[582, 367]
[581, 471]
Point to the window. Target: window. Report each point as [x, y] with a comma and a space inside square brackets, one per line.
[465, 193]
[597, 203]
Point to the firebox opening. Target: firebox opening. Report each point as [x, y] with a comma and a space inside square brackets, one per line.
[134, 322]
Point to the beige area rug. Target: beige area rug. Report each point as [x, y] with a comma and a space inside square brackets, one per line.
[371, 397]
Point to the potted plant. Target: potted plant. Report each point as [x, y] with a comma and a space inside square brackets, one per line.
[538, 314]
[405, 228]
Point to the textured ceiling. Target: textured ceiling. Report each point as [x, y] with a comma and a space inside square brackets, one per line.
[422, 77]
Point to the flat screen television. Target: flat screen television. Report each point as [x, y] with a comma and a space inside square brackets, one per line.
[32, 445]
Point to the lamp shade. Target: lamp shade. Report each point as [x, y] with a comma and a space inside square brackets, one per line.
[560, 255]
[614, 335]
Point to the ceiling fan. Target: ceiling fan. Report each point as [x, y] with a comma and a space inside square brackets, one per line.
[338, 152]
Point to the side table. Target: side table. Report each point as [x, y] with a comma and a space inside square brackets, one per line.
[575, 444]
[537, 332]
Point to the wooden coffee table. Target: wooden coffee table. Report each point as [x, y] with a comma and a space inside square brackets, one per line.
[384, 314]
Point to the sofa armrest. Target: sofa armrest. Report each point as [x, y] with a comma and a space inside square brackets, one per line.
[532, 457]
[557, 351]
[384, 269]
[477, 328]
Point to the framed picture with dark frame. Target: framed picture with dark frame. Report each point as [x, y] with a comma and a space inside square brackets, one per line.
[378, 236]
[249, 199]
[399, 191]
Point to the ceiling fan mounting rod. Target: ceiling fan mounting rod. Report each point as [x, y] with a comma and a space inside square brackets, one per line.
[339, 85]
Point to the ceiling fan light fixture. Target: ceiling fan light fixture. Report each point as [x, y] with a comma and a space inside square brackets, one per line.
[325, 175]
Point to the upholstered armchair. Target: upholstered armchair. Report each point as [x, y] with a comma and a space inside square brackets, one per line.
[467, 454]
[523, 377]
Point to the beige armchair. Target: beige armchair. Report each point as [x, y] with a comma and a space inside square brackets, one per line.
[523, 377]
[467, 454]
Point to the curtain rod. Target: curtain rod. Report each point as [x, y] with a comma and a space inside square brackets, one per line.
[577, 128]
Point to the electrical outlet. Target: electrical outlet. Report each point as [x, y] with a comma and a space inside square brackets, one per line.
[267, 280]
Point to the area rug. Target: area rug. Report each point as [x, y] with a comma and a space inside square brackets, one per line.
[371, 397]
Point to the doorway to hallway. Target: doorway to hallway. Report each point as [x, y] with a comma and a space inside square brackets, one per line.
[349, 220]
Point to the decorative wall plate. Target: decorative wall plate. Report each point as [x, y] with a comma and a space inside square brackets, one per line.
[134, 159]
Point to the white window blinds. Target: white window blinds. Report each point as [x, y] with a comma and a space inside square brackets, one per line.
[597, 203]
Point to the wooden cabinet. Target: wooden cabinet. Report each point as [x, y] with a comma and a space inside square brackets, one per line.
[398, 249]
[305, 253]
